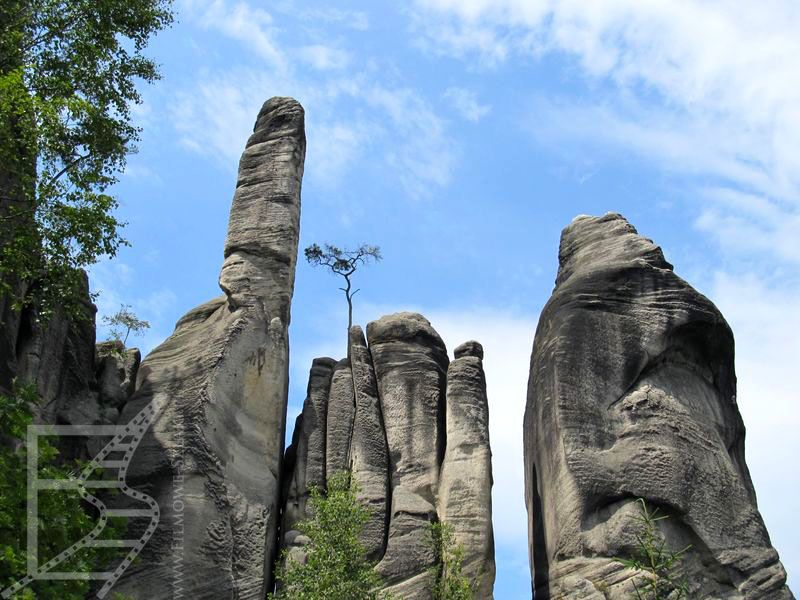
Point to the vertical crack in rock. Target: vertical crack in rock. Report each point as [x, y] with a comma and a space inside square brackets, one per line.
[410, 362]
[222, 379]
[341, 411]
[77, 383]
[418, 435]
[369, 454]
[308, 457]
[632, 395]
[465, 487]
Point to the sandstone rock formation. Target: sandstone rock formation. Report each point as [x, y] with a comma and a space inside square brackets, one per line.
[341, 411]
[465, 499]
[77, 383]
[632, 394]
[369, 454]
[220, 382]
[308, 447]
[417, 444]
[411, 366]
[58, 356]
[116, 368]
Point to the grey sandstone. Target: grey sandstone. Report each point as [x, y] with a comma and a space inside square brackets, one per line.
[220, 382]
[632, 394]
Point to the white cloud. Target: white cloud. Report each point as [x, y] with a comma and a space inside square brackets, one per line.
[139, 170]
[333, 147]
[745, 224]
[699, 88]
[690, 145]
[507, 340]
[765, 322]
[251, 26]
[324, 58]
[426, 157]
[349, 110]
[353, 19]
[215, 117]
[466, 104]
[114, 284]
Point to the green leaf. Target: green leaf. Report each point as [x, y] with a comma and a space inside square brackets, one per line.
[69, 71]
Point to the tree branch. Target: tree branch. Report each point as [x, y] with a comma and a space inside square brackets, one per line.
[77, 160]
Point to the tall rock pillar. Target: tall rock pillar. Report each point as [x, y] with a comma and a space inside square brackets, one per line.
[410, 362]
[369, 454]
[465, 487]
[418, 435]
[213, 457]
[632, 394]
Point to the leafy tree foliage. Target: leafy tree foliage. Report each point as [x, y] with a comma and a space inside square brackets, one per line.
[62, 518]
[68, 73]
[335, 565]
[450, 583]
[343, 262]
[124, 322]
[659, 566]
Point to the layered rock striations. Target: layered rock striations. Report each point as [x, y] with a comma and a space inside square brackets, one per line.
[369, 452]
[220, 382]
[465, 499]
[418, 446]
[306, 463]
[77, 381]
[411, 367]
[632, 394]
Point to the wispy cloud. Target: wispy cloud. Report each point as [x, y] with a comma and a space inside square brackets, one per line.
[138, 170]
[114, 284]
[765, 321]
[702, 88]
[324, 58]
[465, 102]
[427, 156]
[750, 225]
[353, 19]
[351, 112]
[252, 26]
[216, 114]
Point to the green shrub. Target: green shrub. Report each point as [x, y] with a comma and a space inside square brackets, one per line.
[336, 565]
[62, 518]
[449, 583]
[659, 566]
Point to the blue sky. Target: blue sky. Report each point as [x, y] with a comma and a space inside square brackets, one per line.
[461, 136]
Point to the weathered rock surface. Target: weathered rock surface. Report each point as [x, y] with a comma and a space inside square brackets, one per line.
[632, 394]
[221, 384]
[57, 356]
[389, 406]
[341, 411]
[116, 368]
[411, 365]
[369, 454]
[76, 385]
[308, 446]
[465, 487]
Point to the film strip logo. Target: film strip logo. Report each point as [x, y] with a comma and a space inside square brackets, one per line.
[124, 441]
